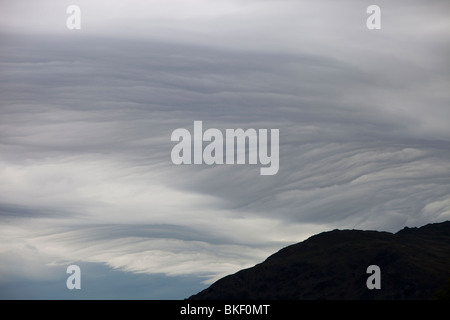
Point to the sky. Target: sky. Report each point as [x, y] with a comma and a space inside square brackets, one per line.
[86, 118]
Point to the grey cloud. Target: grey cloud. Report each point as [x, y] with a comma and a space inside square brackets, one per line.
[85, 133]
[88, 233]
[13, 211]
[125, 98]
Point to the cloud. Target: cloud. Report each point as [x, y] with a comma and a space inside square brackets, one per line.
[86, 121]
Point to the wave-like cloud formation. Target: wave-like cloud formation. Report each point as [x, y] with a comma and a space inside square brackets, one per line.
[86, 121]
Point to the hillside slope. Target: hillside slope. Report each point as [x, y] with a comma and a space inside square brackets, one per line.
[414, 263]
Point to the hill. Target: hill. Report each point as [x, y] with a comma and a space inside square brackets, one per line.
[414, 264]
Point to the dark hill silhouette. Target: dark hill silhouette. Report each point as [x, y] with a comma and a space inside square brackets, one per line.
[414, 263]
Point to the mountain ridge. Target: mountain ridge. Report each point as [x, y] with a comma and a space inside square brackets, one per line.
[414, 264]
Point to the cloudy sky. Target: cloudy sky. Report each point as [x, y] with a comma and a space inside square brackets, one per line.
[86, 118]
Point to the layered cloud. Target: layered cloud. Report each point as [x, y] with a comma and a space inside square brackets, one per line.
[86, 120]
